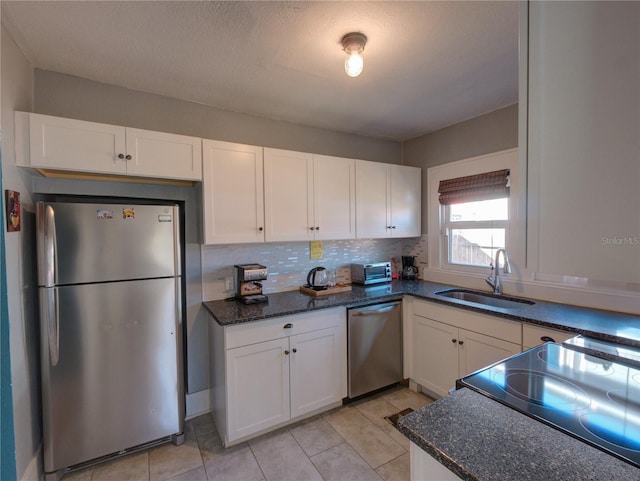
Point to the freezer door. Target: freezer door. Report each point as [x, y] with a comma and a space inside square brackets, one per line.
[118, 379]
[84, 243]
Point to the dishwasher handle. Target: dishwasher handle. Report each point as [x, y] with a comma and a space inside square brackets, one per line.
[374, 312]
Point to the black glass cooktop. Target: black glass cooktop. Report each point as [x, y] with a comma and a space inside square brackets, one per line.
[591, 398]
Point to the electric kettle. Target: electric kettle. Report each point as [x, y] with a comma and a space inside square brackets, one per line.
[317, 278]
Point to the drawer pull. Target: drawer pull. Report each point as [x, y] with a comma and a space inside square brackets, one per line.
[288, 326]
[547, 339]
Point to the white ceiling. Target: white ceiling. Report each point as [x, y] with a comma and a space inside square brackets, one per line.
[427, 64]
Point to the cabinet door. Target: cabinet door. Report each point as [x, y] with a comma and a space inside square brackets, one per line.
[477, 351]
[317, 359]
[535, 335]
[257, 387]
[583, 108]
[232, 193]
[372, 200]
[76, 145]
[288, 195]
[168, 156]
[334, 197]
[435, 355]
[406, 201]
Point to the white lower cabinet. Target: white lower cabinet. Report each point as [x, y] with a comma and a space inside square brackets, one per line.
[423, 467]
[258, 387]
[315, 369]
[533, 335]
[268, 373]
[449, 343]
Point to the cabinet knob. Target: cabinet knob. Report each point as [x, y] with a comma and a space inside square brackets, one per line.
[547, 339]
[121, 156]
[454, 340]
[260, 229]
[286, 353]
[393, 226]
[294, 350]
[317, 228]
[128, 157]
[461, 342]
[288, 325]
[388, 227]
[311, 228]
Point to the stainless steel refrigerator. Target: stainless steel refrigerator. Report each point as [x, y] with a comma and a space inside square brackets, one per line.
[111, 330]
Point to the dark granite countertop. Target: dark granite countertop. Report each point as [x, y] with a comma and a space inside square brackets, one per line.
[482, 440]
[600, 324]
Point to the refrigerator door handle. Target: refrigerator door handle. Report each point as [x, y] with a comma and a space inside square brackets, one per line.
[47, 246]
[53, 324]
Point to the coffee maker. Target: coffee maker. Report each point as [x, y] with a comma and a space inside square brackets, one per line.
[247, 279]
[409, 270]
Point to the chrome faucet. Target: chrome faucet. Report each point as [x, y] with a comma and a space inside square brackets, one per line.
[494, 278]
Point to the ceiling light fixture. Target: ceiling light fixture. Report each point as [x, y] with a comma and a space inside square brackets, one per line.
[353, 44]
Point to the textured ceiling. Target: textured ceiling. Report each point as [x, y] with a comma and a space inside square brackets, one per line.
[427, 64]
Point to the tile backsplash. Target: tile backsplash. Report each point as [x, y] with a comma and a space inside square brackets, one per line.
[288, 263]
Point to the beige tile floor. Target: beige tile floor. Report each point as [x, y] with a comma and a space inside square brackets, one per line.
[351, 443]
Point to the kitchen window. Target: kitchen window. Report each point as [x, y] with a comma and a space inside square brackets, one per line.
[475, 231]
[473, 212]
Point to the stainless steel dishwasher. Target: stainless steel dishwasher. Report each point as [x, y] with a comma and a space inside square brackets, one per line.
[375, 347]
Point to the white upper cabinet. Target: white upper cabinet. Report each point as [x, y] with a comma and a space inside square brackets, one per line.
[334, 196]
[583, 147]
[308, 196]
[67, 144]
[288, 195]
[169, 156]
[372, 199]
[55, 143]
[406, 200]
[232, 193]
[388, 200]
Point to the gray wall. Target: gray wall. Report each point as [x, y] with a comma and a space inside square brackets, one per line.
[17, 83]
[491, 132]
[68, 96]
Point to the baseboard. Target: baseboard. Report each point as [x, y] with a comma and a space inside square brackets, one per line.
[198, 403]
[35, 469]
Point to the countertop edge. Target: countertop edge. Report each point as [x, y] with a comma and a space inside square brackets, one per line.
[480, 439]
[576, 319]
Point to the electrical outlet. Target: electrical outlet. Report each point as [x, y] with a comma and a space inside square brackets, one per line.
[228, 283]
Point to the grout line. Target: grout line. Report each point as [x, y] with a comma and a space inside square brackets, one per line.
[264, 476]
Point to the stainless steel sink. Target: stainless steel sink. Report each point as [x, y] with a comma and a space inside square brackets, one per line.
[485, 299]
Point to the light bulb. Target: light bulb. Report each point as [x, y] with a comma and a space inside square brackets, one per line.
[353, 45]
[354, 64]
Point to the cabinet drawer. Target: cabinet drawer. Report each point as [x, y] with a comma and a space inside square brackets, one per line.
[485, 324]
[259, 331]
[532, 334]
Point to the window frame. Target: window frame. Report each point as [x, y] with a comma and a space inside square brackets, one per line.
[437, 235]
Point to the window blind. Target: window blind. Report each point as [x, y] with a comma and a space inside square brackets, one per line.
[490, 185]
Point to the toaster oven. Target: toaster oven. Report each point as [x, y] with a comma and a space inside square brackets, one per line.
[374, 273]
